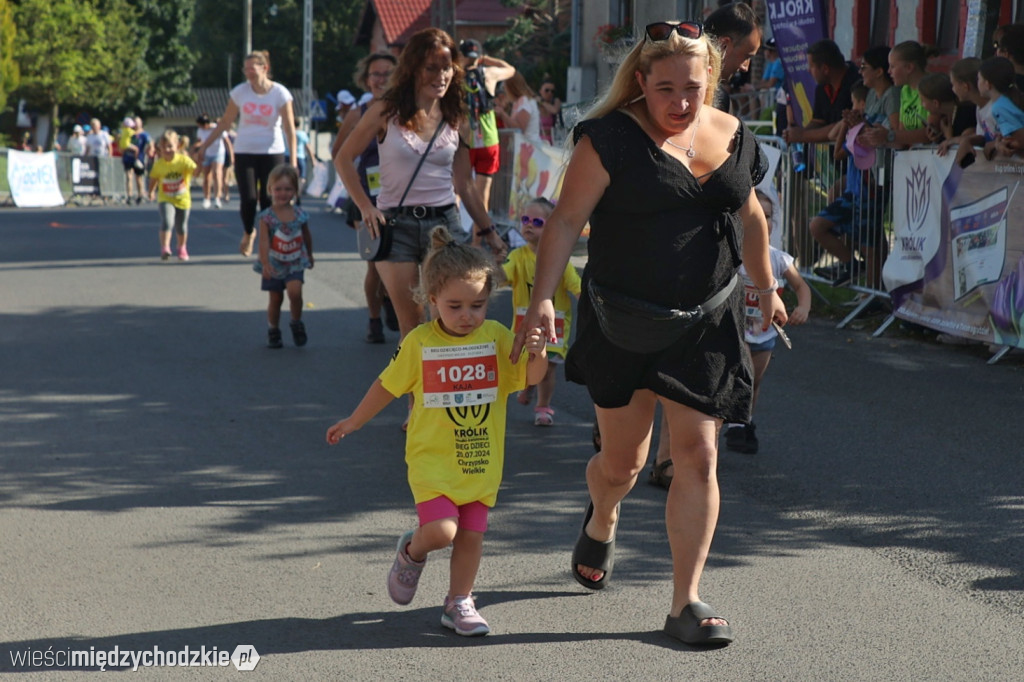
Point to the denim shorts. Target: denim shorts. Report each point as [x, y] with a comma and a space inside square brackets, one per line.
[273, 284]
[411, 243]
[763, 346]
[857, 218]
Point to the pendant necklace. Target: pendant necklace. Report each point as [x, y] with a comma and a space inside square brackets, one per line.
[690, 151]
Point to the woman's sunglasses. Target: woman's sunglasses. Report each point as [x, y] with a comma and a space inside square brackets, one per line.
[661, 30]
[536, 222]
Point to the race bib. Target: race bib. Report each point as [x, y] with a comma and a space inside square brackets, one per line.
[455, 376]
[173, 187]
[559, 326]
[373, 180]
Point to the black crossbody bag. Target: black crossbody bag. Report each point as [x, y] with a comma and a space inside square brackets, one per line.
[643, 327]
[378, 249]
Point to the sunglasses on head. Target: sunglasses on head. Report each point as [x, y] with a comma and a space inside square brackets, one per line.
[661, 30]
[536, 222]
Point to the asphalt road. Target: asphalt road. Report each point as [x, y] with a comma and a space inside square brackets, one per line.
[165, 483]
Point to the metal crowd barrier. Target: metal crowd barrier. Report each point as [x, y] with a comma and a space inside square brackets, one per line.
[82, 179]
[850, 213]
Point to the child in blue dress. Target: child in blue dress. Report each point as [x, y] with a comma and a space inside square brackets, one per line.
[286, 250]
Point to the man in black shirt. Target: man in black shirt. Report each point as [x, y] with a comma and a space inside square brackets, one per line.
[835, 77]
[738, 34]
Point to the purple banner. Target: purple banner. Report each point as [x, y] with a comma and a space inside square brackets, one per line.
[796, 25]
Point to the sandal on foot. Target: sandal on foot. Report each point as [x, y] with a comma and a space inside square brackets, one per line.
[658, 476]
[245, 246]
[543, 416]
[687, 627]
[593, 554]
[525, 396]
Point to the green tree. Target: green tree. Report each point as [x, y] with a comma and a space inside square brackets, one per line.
[218, 36]
[8, 67]
[78, 53]
[165, 27]
[538, 41]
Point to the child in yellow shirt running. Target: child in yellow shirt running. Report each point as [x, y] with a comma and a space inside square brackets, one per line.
[520, 269]
[458, 370]
[172, 175]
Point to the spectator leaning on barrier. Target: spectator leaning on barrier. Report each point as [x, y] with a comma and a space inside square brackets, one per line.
[964, 75]
[834, 77]
[737, 33]
[854, 218]
[947, 118]
[907, 63]
[996, 82]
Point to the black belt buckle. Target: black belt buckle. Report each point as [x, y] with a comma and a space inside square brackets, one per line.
[419, 212]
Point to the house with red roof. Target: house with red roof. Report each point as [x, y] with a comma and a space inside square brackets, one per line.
[386, 25]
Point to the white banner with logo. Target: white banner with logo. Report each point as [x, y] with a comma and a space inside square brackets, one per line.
[957, 263]
[917, 210]
[33, 179]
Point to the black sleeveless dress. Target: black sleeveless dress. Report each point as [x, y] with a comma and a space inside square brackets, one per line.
[660, 235]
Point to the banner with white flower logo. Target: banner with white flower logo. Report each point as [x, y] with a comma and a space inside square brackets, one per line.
[956, 262]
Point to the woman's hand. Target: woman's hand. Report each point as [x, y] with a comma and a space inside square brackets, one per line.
[772, 308]
[498, 247]
[540, 315]
[373, 219]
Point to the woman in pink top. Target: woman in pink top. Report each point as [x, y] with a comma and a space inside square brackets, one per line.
[266, 126]
[424, 96]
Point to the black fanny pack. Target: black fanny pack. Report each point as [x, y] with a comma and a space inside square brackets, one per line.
[643, 327]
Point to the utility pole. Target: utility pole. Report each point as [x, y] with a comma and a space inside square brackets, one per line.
[307, 56]
[248, 28]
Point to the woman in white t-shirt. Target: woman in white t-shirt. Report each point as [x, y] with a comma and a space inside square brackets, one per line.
[266, 128]
[525, 113]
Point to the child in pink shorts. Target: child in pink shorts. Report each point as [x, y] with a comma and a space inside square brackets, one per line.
[458, 370]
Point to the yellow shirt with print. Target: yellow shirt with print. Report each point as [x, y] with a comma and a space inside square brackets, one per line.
[456, 447]
[520, 270]
[125, 138]
[174, 179]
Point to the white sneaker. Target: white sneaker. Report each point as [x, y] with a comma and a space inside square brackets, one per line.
[216, 202]
[206, 203]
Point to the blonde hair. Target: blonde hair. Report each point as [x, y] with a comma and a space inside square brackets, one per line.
[449, 260]
[625, 89]
[284, 170]
[170, 137]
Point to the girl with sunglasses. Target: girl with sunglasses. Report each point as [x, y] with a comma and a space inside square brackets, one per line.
[666, 183]
[520, 269]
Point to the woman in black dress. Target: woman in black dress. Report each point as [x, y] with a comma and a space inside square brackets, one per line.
[667, 185]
